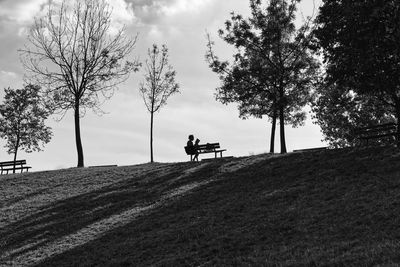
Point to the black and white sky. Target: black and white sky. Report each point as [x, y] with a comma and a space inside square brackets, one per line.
[121, 136]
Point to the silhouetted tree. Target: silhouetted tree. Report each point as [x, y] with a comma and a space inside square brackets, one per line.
[77, 58]
[272, 72]
[242, 83]
[159, 84]
[22, 118]
[339, 111]
[360, 43]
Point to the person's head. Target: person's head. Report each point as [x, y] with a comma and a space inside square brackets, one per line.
[191, 137]
[197, 141]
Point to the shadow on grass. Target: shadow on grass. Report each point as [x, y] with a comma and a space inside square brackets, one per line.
[17, 199]
[328, 208]
[81, 214]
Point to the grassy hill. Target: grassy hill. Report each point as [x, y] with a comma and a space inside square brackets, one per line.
[335, 207]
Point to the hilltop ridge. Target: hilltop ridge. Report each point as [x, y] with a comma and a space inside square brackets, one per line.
[334, 207]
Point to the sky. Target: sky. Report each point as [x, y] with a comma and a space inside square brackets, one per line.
[121, 135]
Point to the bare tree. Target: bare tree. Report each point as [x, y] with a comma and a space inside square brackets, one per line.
[159, 84]
[76, 59]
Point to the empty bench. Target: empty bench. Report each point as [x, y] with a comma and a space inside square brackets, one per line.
[376, 131]
[206, 148]
[7, 166]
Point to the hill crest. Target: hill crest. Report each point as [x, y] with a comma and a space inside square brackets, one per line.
[330, 207]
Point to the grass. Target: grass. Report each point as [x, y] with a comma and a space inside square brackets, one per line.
[326, 208]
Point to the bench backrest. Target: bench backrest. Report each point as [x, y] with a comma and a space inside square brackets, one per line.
[375, 128]
[11, 163]
[203, 147]
[209, 146]
[390, 127]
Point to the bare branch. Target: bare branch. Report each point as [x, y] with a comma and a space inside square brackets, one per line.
[72, 54]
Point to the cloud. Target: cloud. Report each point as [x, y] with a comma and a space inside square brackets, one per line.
[153, 11]
[184, 6]
[23, 12]
[20, 11]
[122, 13]
[8, 74]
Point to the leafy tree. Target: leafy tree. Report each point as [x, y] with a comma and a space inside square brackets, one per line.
[75, 57]
[241, 84]
[360, 43]
[159, 84]
[22, 120]
[339, 111]
[272, 70]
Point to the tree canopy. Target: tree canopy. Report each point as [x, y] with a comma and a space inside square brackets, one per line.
[339, 112]
[360, 43]
[22, 120]
[272, 70]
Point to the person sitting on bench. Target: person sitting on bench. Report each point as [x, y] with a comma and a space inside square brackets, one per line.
[192, 148]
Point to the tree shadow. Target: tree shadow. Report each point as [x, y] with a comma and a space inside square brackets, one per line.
[67, 217]
[293, 208]
[185, 231]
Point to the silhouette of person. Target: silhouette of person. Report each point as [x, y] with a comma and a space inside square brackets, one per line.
[192, 148]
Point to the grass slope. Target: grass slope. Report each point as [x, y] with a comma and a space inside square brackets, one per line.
[336, 207]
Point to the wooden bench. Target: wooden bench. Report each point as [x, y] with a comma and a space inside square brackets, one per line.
[104, 166]
[7, 166]
[376, 131]
[314, 149]
[206, 148]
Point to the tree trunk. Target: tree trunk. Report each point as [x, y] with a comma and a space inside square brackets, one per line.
[282, 129]
[282, 104]
[272, 143]
[78, 135]
[15, 154]
[151, 137]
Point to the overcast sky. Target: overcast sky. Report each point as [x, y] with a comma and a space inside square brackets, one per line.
[121, 136]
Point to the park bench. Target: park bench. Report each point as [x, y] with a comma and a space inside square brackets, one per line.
[104, 166]
[376, 131]
[206, 148]
[7, 166]
[314, 149]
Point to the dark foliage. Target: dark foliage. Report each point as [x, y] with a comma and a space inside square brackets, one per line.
[22, 120]
[272, 70]
[339, 112]
[360, 43]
